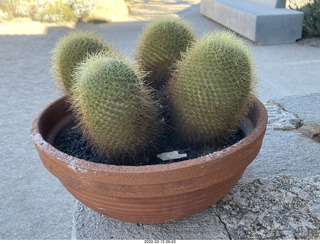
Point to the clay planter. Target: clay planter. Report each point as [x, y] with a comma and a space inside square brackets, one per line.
[147, 194]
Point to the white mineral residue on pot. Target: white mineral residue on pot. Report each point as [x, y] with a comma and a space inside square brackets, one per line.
[76, 169]
[213, 155]
[71, 164]
[147, 168]
[101, 208]
[37, 137]
[209, 156]
[220, 152]
[59, 155]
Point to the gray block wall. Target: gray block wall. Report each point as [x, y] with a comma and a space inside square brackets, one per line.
[264, 25]
[269, 3]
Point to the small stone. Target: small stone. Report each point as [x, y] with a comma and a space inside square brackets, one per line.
[315, 209]
[280, 119]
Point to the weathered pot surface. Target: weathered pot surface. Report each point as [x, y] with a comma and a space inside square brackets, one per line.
[147, 194]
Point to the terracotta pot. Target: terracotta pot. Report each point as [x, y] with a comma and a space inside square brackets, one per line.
[147, 194]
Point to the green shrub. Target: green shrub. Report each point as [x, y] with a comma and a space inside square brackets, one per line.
[8, 7]
[3, 16]
[48, 11]
[81, 8]
[55, 11]
[311, 21]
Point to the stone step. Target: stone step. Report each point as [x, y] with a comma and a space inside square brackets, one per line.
[258, 23]
[283, 207]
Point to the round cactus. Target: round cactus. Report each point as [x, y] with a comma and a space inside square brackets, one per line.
[160, 46]
[114, 108]
[211, 88]
[70, 51]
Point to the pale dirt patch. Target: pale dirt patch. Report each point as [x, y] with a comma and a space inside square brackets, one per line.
[146, 10]
[25, 26]
[140, 10]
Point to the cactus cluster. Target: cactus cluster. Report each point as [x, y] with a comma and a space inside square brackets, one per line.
[211, 88]
[161, 45]
[208, 83]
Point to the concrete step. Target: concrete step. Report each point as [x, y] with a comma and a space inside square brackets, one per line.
[261, 24]
[269, 3]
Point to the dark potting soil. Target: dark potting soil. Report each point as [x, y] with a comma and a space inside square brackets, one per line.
[71, 142]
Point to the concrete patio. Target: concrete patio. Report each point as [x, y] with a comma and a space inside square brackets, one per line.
[34, 204]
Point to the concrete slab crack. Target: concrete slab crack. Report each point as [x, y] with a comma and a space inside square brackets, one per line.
[214, 210]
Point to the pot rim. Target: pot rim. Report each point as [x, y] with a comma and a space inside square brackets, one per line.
[83, 166]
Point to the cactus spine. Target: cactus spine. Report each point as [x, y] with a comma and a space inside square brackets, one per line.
[161, 45]
[211, 88]
[71, 50]
[114, 108]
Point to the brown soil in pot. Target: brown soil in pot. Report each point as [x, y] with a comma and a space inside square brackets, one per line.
[149, 193]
